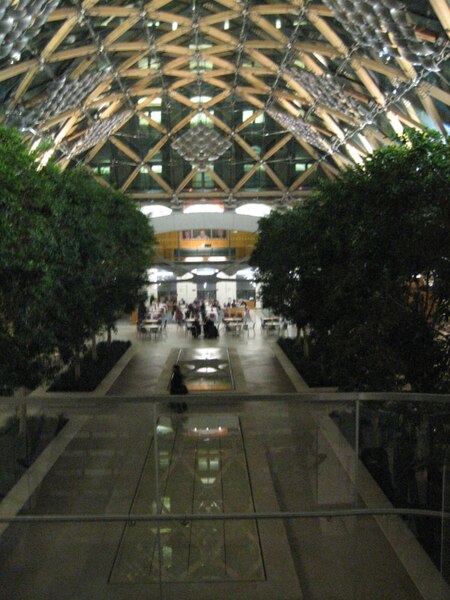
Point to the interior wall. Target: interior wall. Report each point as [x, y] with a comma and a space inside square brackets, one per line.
[226, 291]
[186, 290]
[228, 220]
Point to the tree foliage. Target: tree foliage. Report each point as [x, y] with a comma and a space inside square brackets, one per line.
[366, 263]
[73, 255]
[101, 249]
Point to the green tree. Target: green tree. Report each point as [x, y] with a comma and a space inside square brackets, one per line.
[73, 255]
[366, 262]
[101, 248]
[25, 342]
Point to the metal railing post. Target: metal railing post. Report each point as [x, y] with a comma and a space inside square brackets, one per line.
[158, 498]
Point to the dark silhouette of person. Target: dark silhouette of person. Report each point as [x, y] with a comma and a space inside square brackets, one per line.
[210, 330]
[177, 386]
[196, 327]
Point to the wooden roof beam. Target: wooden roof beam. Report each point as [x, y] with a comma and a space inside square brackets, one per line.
[442, 10]
[274, 177]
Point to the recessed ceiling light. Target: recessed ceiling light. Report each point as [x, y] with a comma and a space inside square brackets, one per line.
[248, 273]
[156, 210]
[253, 209]
[204, 271]
[203, 208]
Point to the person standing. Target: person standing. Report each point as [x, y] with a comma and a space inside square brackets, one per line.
[177, 386]
[196, 328]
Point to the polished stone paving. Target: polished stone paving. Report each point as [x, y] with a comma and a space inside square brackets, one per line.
[251, 357]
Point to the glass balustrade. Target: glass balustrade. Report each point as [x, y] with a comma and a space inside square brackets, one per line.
[325, 495]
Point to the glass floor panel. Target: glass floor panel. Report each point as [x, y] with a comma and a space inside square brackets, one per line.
[202, 469]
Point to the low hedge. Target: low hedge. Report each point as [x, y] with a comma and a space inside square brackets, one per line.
[310, 368]
[92, 372]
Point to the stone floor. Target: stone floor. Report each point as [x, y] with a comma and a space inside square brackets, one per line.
[276, 455]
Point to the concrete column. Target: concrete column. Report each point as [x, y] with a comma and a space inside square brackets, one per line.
[226, 291]
[152, 290]
[186, 290]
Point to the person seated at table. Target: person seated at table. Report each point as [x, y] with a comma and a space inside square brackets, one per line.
[179, 316]
[196, 327]
[210, 330]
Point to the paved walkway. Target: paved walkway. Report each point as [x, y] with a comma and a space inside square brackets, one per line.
[254, 365]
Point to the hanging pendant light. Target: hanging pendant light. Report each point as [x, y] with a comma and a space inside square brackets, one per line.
[201, 146]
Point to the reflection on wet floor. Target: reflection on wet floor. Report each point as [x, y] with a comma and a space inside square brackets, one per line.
[202, 469]
[206, 369]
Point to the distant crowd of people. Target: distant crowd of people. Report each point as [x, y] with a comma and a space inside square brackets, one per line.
[199, 317]
[197, 311]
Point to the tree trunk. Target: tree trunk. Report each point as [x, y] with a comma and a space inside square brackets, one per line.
[94, 348]
[77, 366]
[305, 344]
[109, 336]
[22, 393]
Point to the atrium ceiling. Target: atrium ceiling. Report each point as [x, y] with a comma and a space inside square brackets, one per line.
[221, 101]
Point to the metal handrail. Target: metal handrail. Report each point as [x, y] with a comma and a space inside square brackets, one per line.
[134, 518]
[306, 397]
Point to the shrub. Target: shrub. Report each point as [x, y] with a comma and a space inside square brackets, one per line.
[92, 372]
[310, 368]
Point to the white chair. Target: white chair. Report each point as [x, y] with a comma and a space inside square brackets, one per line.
[142, 331]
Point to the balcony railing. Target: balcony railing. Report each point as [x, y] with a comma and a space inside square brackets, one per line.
[332, 495]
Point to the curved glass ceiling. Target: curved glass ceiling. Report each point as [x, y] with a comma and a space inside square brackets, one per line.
[177, 103]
